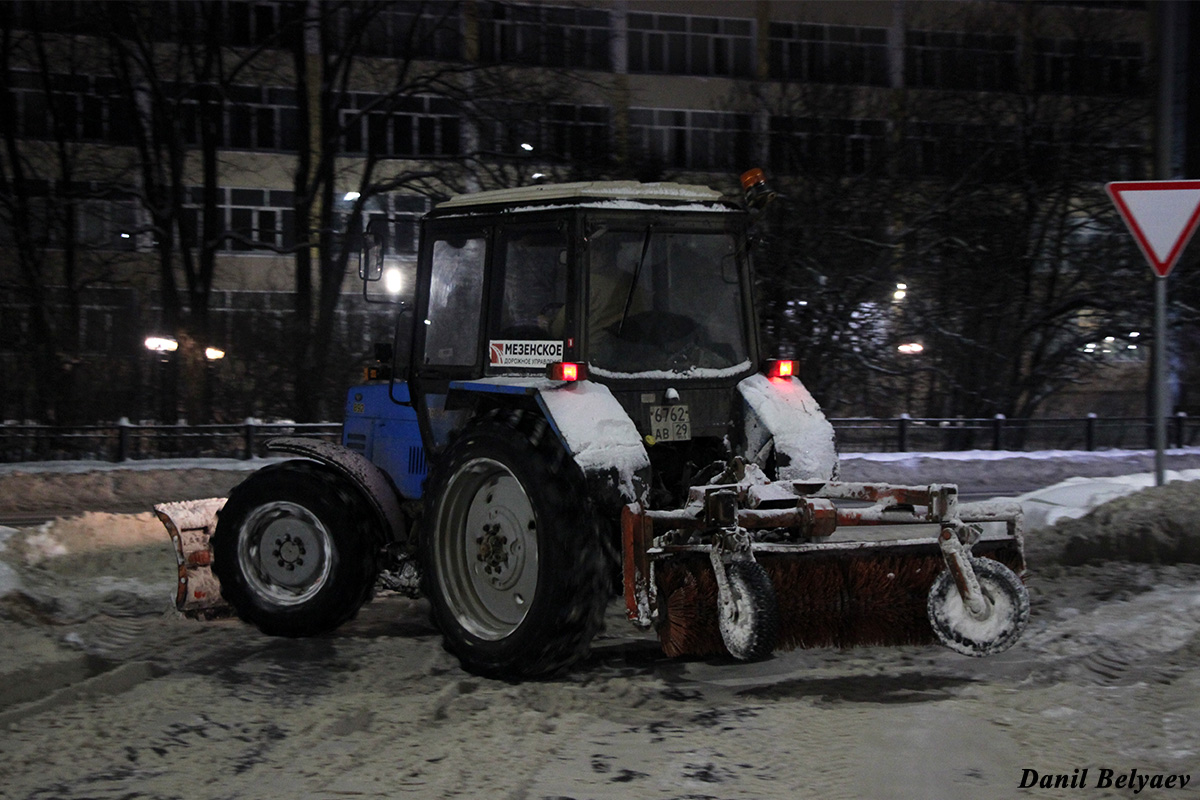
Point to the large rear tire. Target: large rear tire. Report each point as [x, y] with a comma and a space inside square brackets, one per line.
[295, 550]
[513, 564]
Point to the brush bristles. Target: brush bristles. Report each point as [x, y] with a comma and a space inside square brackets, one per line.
[824, 601]
[687, 594]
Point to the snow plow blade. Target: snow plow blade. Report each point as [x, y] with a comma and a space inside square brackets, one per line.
[831, 573]
[190, 524]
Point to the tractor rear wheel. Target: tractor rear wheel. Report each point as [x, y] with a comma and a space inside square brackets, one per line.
[513, 565]
[295, 550]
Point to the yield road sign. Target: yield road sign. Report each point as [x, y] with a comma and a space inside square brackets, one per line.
[1161, 215]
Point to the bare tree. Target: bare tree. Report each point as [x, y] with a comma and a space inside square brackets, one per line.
[56, 194]
[346, 98]
[177, 71]
[970, 223]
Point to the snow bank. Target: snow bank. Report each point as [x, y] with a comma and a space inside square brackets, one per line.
[73, 487]
[9, 582]
[1076, 497]
[1157, 525]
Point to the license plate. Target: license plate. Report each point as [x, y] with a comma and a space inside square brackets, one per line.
[670, 423]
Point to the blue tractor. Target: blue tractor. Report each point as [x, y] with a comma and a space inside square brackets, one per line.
[575, 406]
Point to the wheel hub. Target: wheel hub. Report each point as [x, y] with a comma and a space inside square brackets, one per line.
[488, 549]
[285, 552]
[501, 554]
[290, 552]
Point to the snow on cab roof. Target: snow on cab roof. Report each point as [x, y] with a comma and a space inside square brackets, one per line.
[587, 190]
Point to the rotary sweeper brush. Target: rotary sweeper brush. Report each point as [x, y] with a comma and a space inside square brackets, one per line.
[576, 390]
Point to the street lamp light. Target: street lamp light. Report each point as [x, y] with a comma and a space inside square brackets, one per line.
[161, 344]
[393, 280]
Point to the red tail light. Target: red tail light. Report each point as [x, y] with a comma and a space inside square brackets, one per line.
[781, 368]
[566, 371]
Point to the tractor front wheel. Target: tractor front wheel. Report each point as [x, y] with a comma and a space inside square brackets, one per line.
[514, 570]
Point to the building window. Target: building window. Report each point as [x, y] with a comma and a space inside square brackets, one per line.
[252, 117]
[683, 139]
[686, 45]
[826, 146]
[1088, 67]
[950, 150]
[408, 30]
[401, 127]
[548, 36]
[403, 214]
[828, 54]
[105, 217]
[249, 220]
[83, 108]
[246, 24]
[957, 60]
[556, 132]
[108, 224]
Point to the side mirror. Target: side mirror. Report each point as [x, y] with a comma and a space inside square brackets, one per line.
[374, 247]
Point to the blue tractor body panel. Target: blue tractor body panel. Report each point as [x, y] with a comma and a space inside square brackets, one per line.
[386, 432]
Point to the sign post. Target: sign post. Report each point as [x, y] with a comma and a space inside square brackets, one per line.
[1162, 216]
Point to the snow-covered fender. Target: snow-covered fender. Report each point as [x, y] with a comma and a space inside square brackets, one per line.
[376, 487]
[592, 426]
[781, 416]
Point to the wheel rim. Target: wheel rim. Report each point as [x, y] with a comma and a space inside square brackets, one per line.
[995, 623]
[739, 605]
[1007, 611]
[285, 552]
[486, 551]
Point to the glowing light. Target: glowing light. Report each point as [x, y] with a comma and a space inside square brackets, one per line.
[214, 353]
[566, 371]
[902, 286]
[393, 280]
[783, 368]
[899, 294]
[161, 344]
[527, 147]
[351, 197]
[911, 348]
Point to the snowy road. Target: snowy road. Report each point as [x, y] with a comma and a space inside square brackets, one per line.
[106, 693]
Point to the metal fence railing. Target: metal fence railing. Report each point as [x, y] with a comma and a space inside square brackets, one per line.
[909, 434]
[123, 441]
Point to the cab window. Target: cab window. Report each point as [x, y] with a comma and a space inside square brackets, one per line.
[455, 302]
[534, 265]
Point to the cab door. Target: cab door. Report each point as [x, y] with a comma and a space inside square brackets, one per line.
[530, 322]
[451, 314]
